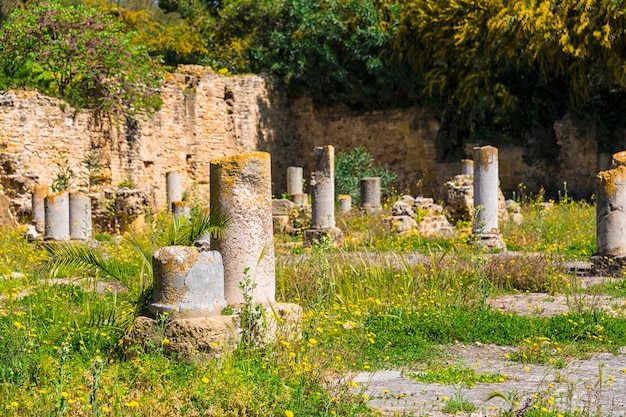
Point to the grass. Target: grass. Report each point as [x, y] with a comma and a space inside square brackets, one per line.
[379, 301]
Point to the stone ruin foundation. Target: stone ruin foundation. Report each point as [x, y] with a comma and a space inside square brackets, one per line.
[194, 285]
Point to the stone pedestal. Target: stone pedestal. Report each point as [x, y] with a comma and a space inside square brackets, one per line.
[57, 215]
[345, 203]
[370, 194]
[80, 216]
[181, 209]
[486, 195]
[40, 191]
[174, 188]
[294, 180]
[241, 188]
[467, 167]
[187, 281]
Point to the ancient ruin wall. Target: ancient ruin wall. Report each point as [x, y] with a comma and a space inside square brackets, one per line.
[205, 116]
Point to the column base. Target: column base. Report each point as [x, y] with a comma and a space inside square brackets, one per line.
[492, 242]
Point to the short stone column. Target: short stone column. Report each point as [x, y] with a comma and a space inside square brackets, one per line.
[486, 194]
[174, 188]
[187, 281]
[323, 197]
[80, 216]
[300, 200]
[370, 194]
[40, 191]
[467, 167]
[294, 181]
[241, 188]
[57, 215]
[345, 203]
[180, 209]
[610, 222]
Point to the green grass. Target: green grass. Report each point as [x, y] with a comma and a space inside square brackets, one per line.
[60, 351]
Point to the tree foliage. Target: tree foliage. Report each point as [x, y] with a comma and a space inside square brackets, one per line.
[80, 55]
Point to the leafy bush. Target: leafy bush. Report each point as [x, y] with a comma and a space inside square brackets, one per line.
[79, 55]
[350, 167]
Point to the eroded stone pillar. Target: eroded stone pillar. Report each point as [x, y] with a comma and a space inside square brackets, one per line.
[174, 188]
[323, 185]
[294, 181]
[241, 188]
[467, 167]
[187, 281]
[40, 191]
[370, 194]
[80, 216]
[611, 212]
[180, 209]
[486, 194]
[345, 203]
[57, 215]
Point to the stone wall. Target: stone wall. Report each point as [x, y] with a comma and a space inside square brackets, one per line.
[205, 116]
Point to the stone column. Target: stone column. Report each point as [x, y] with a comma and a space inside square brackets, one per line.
[40, 191]
[610, 221]
[323, 184]
[486, 194]
[294, 181]
[80, 216]
[187, 281]
[241, 188]
[174, 188]
[180, 209]
[57, 214]
[345, 203]
[467, 167]
[370, 194]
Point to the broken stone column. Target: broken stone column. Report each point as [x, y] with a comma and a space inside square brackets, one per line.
[467, 167]
[323, 197]
[241, 188]
[174, 188]
[80, 216]
[345, 203]
[370, 194]
[610, 221]
[294, 181]
[486, 195]
[180, 209]
[300, 200]
[187, 281]
[40, 191]
[57, 215]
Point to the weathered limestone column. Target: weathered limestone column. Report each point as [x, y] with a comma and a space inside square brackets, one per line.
[294, 181]
[345, 203]
[57, 214]
[467, 167]
[486, 194]
[610, 221]
[80, 216]
[40, 191]
[300, 200]
[180, 209]
[241, 188]
[187, 281]
[323, 184]
[174, 188]
[370, 194]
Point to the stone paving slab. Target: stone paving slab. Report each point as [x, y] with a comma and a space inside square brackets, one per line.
[595, 386]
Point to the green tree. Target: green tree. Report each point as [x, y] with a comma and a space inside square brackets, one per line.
[80, 55]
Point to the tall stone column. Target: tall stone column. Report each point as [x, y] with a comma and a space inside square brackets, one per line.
[40, 191]
[57, 214]
[241, 188]
[486, 193]
[370, 194]
[467, 167]
[323, 197]
[80, 216]
[294, 181]
[610, 221]
[174, 188]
